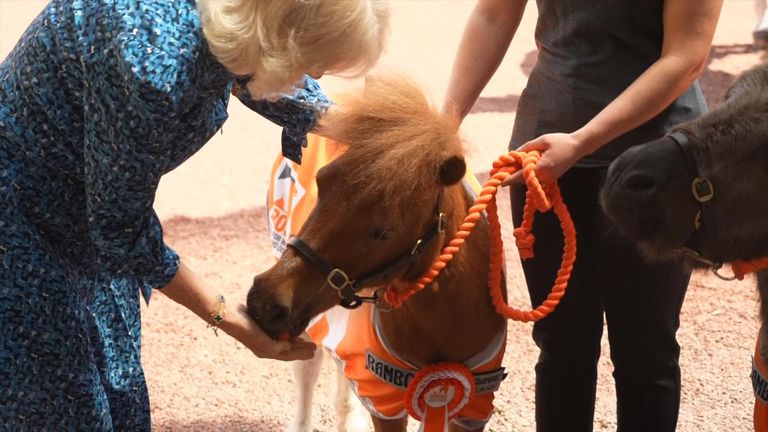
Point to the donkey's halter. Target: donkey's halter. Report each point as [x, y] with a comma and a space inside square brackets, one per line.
[703, 192]
[701, 187]
[348, 288]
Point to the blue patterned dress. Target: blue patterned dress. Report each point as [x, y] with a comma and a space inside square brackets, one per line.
[98, 100]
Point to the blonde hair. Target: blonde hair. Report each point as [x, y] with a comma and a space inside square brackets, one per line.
[276, 41]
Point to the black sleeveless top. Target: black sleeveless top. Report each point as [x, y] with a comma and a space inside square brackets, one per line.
[589, 52]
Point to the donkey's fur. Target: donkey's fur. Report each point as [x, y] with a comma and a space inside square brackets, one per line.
[648, 190]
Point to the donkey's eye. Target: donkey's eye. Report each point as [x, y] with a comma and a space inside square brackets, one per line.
[381, 233]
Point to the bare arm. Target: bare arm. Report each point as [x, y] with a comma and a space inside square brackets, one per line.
[486, 39]
[187, 289]
[689, 27]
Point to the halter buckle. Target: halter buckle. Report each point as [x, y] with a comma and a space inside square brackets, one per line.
[702, 189]
[441, 218]
[337, 279]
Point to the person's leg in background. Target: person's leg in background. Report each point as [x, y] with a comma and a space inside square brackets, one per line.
[569, 338]
[642, 300]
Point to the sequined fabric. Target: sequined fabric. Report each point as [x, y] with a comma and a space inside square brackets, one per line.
[98, 100]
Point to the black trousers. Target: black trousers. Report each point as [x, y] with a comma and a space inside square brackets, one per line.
[640, 300]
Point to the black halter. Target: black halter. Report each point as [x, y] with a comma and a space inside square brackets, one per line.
[348, 288]
[701, 187]
[703, 192]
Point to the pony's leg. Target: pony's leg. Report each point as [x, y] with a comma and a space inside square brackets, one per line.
[351, 416]
[306, 374]
[399, 425]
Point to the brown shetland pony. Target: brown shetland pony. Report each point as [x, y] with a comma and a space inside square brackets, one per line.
[701, 193]
[377, 204]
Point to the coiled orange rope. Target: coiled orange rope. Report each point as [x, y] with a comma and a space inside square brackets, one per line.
[537, 198]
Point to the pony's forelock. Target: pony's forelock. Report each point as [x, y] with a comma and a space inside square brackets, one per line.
[393, 116]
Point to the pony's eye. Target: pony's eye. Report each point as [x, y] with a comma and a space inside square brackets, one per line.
[381, 233]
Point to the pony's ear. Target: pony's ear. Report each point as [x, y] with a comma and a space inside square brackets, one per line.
[334, 124]
[452, 170]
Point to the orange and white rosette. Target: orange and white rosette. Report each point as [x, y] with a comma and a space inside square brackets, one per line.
[437, 394]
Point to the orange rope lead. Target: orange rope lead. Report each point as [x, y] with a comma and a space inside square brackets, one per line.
[537, 198]
[743, 268]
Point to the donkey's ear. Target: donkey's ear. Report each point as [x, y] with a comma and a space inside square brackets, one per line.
[452, 170]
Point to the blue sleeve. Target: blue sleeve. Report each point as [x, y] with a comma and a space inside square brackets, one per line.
[122, 172]
[297, 113]
[131, 98]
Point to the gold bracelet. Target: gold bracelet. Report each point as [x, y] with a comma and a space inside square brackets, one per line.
[218, 312]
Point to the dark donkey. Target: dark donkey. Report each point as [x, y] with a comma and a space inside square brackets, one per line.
[701, 194]
[385, 209]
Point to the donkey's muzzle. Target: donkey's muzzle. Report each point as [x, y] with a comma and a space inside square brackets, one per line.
[642, 185]
[637, 184]
[643, 171]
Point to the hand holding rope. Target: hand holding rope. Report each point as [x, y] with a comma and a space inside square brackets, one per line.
[538, 197]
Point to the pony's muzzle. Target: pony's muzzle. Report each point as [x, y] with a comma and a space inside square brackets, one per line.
[272, 316]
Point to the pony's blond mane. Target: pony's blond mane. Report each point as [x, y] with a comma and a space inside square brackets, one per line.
[397, 139]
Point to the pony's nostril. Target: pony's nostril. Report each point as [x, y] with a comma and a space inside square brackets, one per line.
[279, 314]
[640, 183]
[274, 318]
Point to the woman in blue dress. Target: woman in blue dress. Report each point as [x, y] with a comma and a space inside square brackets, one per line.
[98, 100]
